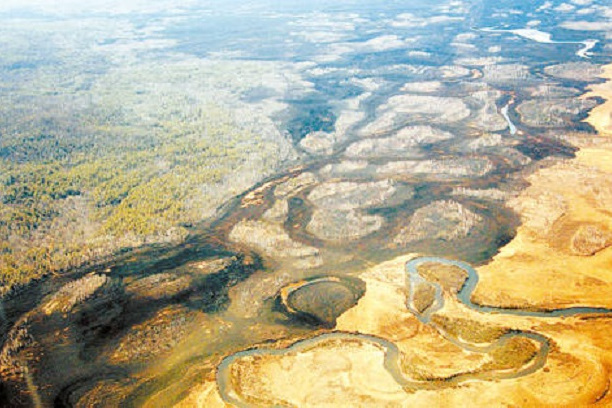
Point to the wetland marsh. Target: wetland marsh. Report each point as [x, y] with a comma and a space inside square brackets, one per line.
[389, 204]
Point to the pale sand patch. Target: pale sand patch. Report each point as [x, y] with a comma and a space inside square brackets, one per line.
[351, 373]
[533, 270]
[601, 116]
[537, 269]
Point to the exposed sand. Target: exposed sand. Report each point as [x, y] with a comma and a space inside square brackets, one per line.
[537, 269]
[352, 372]
[601, 116]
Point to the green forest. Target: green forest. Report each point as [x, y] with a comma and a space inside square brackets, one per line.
[86, 173]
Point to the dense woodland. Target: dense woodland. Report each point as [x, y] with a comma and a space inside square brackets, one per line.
[84, 173]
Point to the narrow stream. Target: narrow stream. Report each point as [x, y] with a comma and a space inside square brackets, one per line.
[504, 112]
[392, 353]
[546, 38]
[465, 293]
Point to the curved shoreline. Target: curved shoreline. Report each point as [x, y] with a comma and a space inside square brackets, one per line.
[600, 116]
[465, 293]
[284, 297]
[543, 37]
[390, 362]
[392, 353]
[511, 125]
[288, 290]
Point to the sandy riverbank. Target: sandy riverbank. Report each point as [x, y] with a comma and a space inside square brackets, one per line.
[562, 251]
[559, 258]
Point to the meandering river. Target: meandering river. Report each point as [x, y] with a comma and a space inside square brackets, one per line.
[391, 351]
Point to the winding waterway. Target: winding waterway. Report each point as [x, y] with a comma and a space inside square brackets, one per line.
[414, 179]
[465, 293]
[504, 112]
[546, 38]
[391, 363]
[391, 351]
